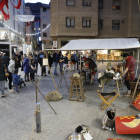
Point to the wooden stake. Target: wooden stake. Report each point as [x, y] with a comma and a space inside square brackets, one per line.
[135, 90]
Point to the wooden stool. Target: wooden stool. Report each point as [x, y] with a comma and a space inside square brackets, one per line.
[105, 100]
[77, 82]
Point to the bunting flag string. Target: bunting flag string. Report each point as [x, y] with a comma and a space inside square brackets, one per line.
[29, 23]
[5, 2]
[18, 6]
[2, 3]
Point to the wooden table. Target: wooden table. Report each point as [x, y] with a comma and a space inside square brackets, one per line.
[77, 82]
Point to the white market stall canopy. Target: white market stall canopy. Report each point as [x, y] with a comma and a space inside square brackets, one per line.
[101, 44]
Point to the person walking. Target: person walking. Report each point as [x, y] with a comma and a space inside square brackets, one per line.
[72, 62]
[2, 78]
[55, 60]
[26, 68]
[61, 60]
[40, 60]
[5, 60]
[50, 60]
[15, 79]
[32, 70]
[76, 60]
[66, 63]
[11, 69]
[35, 56]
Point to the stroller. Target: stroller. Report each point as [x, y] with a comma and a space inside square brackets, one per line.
[21, 82]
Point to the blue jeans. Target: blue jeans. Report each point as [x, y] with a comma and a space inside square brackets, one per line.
[16, 87]
[61, 66]
[2, 86]
[55, 67]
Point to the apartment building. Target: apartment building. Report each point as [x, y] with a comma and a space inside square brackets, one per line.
[89, 19]
[11, 31]
[45, 21]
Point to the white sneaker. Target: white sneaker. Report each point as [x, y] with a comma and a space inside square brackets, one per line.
[11, 90]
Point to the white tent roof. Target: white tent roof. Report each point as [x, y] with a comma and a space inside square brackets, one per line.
[101, 44]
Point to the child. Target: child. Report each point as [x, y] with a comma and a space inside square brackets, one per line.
[15, 79]
[32, 70]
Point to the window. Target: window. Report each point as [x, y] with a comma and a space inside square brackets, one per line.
[1, 21]
[115, 24]
[44, 9]
[44, 18]
[116, 4]
[70, 22]
[100, 24]
[44, 34]
[70, 2]
[14, 24]
[100, 4]
[44, 25]
[86, 22]
[86, 2]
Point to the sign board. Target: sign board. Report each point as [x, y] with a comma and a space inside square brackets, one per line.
[55, 44]
[45, 61]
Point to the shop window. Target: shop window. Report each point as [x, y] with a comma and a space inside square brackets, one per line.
[100, 4]
[86, 22]
[115, 24]
[4, 36]
[1, 21]
[45, 10]
[44, 34]
[86, 2]
[116, 4]
[100, 24]
[70, 2]
[44, 25]
[70, 22]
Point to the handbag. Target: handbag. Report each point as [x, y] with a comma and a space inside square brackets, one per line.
[6, 72]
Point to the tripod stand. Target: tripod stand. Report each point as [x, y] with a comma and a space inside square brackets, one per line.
[62, 76]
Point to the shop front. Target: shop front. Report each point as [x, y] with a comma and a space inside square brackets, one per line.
[109, 55]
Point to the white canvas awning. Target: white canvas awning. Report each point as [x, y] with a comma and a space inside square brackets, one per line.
[24, 18]
[102, 44]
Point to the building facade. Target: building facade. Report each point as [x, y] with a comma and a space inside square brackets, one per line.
[45, 21]
[88, 19]
[11, 31]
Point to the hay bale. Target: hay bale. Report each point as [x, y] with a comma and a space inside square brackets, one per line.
[53, 96]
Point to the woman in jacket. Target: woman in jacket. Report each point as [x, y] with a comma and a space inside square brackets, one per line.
[2, 78]
[50, 59]
[26, 68]
[11, 69]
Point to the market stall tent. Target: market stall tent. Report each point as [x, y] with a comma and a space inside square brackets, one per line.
[102, 44]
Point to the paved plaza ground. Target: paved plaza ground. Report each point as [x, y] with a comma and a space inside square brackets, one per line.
[17, 112]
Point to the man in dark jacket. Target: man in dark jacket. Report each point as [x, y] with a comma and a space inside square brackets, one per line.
[50, 60]
[5, 60]
[40, 61]
[55, 60]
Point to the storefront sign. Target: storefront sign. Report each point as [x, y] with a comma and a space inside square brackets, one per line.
[55, 44]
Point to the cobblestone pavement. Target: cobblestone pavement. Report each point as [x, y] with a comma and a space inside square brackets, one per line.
[17, 112]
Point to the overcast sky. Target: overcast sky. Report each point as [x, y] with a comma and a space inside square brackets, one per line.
[34, 1]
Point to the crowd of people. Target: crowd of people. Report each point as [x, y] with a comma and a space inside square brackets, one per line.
[29, 65]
